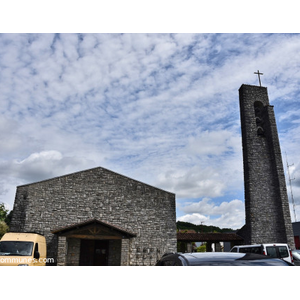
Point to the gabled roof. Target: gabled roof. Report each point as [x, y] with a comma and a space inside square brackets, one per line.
[94, 227]
[81, 173]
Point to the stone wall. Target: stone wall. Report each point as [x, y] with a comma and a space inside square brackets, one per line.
[73, 252]
[98, 193]
[267, 207]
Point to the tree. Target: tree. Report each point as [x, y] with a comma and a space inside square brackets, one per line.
[3, 228]
[3, 219]
[3, 212]
[201, 228]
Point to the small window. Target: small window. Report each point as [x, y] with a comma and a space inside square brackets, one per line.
[259, 108]
[283, 252]
[256, 250]
[260, 131]
[244, 250]
[250, 250]
[234, 250]
[271, 251]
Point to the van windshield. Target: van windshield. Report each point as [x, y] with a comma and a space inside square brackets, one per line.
[16, 248]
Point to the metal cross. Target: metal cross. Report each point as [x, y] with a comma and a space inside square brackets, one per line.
[258, 76]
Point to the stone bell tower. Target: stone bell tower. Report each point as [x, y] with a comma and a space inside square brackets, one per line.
[267, 208]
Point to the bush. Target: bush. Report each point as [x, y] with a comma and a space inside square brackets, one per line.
[3, 228]
[201, 248]
[3, 220]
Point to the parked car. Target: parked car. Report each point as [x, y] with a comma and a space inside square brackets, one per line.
[282, 251]
[219, 259]
[296, 257]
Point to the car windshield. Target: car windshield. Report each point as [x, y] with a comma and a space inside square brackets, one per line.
[16, 248]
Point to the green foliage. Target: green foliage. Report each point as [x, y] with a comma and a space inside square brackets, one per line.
[201, 228]
[3, 212]
[8, 218]
[201, 248]
[3, 228]
[4, 219]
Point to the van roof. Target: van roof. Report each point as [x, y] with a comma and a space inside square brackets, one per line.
[259, 245]
[21, 236]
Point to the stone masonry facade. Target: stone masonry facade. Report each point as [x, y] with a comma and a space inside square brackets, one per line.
[99, 194]
[266, 202]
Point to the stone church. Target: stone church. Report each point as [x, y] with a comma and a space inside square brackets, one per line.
[98, 217]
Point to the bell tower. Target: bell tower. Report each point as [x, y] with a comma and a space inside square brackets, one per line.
[266, 202]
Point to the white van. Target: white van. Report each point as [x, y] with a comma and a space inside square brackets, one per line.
[282, 251]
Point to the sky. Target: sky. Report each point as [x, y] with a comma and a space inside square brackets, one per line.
[159, 108]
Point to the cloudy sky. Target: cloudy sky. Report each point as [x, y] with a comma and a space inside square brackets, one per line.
[159, 108]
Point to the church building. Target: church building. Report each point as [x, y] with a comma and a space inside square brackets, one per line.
[98, 217]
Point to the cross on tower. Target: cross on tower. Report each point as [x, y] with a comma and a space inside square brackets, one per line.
[258, 76]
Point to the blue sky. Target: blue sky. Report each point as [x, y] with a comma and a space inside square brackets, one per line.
[159, 108]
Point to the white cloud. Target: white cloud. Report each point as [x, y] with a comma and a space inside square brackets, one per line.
[42, 165]
[206, 206]
[210, 165]
[194, 218]
[194, 182]
[214, 142]
[226, 215]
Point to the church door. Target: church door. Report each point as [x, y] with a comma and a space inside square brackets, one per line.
[93, 253]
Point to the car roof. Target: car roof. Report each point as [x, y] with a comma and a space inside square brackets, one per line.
[241, 246]
[223, 258]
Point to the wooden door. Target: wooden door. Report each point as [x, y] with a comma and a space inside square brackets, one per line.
[101, 253]
[87, 253]
[93, 253]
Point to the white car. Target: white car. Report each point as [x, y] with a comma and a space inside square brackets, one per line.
[296, 257]
[282, 251]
